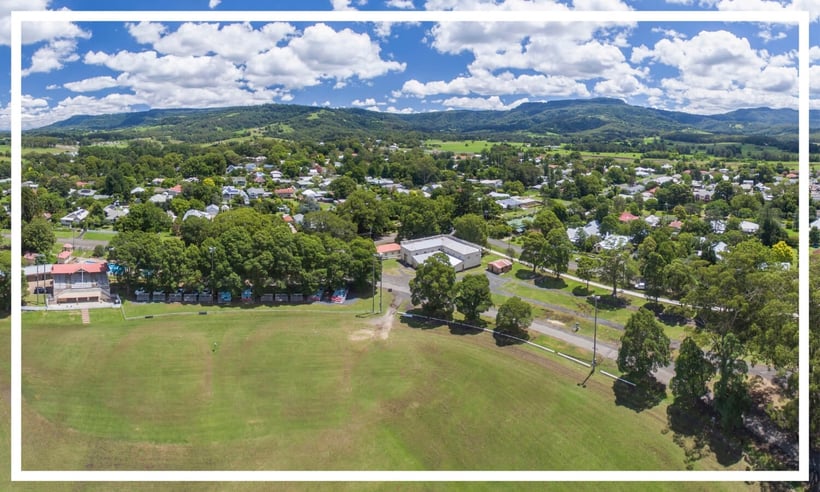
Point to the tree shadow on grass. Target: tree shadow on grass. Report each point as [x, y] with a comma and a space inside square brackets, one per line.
[648, 392]
[418, 319]
[610, 302]
[581, 291]
[549, 282]
[468, 327]
[524, 274]
[675, 315]
[504, 339]
[698, 423]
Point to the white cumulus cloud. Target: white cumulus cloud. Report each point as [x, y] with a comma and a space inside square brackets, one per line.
[53, 56]
[92, 84]
[720, 71]
[492, 102]
[36, 31]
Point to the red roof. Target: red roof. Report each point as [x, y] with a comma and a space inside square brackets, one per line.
[388, 248]
[70, 268]
[627, 217]
[676, 224]
[285, 191]
[177, 188]
[502, 263]
[64, 254]
[287, 218]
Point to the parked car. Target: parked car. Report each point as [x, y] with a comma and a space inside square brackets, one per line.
[40, 290]
[339, 296]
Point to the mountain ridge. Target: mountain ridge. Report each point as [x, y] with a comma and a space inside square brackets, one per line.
[607, 118]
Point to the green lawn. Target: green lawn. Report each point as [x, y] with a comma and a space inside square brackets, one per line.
[561, 293]
[99, 235]
[471, 146]
[296, 390]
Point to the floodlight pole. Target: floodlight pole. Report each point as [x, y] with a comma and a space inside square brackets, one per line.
[373, 300]
[595, 334]
[211, 249]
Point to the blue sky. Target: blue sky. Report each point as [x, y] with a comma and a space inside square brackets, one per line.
[95, 68]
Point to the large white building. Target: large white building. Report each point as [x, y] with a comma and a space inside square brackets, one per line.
[462, 254]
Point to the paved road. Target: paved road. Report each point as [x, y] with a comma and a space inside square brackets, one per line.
[399, 283]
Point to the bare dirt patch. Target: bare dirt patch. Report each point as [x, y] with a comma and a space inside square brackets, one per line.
[381, 326]
[359, 335]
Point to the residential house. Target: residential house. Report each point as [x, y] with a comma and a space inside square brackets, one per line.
[653, 220]
[588, 230]
[748, 227]
[254, 193]
[196, 213]
[390, 250]
[159, 198]
[74, 218]
[626, 216]
[703, 195]
[718, 226]
[613, 241]
[285, 192]
[113, 212]
[229, 193]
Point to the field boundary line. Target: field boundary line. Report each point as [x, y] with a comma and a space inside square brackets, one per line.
[533, 344]
[249, 311]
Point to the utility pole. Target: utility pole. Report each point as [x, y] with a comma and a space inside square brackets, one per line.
[595, 335]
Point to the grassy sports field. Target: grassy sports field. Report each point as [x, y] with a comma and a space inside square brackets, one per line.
[315, 389]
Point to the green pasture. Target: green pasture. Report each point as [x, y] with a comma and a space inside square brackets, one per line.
[302, 390]
[469, 146]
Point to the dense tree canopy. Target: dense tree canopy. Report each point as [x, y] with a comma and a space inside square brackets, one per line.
[145, 217]
[514, 317]
[644, 345]
[433, 285]
[37, 236]
[472, 296]
[472, 228]
[692, 374]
